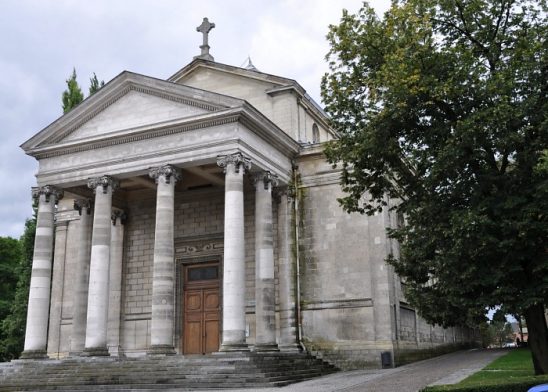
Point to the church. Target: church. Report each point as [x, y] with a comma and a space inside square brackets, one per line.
[197, 215]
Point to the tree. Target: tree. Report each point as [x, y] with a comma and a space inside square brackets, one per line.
[73, 95]
[12, 328]
[10, 256]
[441, 108]
[94, 84]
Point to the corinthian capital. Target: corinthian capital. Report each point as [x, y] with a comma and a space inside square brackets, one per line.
[168, 171]
[82, 204]
[265, 178]
[104, 182]
[237, 160]
[47, 191]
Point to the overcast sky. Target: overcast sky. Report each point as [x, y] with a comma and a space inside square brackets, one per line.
[42, 40]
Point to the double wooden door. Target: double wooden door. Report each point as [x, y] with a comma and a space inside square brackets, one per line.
[201, 309]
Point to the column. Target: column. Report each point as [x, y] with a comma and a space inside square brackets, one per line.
[80, 303]
[287, 273]
[115, 281]
[97, 312]
[233, 336]
[265, 301]
[57, 289]
[39, 294]
[163, 274]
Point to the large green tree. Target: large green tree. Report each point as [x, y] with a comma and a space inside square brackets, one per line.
[10, 256]
[441, 107]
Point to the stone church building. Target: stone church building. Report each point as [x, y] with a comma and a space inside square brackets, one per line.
[198, 214]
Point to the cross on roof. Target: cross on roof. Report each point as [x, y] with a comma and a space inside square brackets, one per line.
[205, 28]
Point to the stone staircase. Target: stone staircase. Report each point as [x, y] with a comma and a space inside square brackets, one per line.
[215, 371]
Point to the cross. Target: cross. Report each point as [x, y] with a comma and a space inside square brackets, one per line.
[205, 28]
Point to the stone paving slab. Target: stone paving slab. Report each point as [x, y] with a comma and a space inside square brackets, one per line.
[446, 369]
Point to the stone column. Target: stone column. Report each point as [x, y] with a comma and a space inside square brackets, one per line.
[163, 274]
[58, 287]
[40, 282]
[233, 336]
[265, 300]
[115, 281]
[80, 302]
[97, 315]
[286, 276]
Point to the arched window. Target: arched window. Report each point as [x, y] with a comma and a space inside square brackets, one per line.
[315, 133]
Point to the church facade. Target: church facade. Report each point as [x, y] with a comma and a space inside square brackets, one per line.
[198, 214]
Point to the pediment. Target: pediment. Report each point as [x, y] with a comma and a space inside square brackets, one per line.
[129, 101]
[132, 110]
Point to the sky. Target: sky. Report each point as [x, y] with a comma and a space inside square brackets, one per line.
[41, 41]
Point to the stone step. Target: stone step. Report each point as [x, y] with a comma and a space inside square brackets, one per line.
[219, 371]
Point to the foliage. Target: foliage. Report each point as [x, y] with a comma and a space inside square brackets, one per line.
[12, 328]
[73, 95]
[509, 373]
[10, 256]
[441, 108]
[94, 84]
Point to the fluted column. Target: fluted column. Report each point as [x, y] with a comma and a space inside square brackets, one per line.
[40, 282]
[265, 301]
[287, 273]
[79, 312]
[163, 275]
[233, 336]
[115, 281]
[97, 312]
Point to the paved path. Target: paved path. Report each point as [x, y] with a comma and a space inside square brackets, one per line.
[446, 369]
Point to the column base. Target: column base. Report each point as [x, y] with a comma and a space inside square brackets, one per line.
[161, 349]
[261, 348]
[95, 352]
[34, 354]
[233, 347]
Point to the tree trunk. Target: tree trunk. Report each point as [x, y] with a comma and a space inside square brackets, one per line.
[538, 337]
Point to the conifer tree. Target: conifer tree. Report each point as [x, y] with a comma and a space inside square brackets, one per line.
[73, 95]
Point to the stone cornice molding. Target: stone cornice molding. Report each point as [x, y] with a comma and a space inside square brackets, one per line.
[104, 182]
[48, 191]
[167, 171]
[236, 160]
[268, 179]
[81, 204]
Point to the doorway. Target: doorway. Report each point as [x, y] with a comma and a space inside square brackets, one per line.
[201, 308]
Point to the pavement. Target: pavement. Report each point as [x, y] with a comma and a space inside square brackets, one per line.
[445, 369]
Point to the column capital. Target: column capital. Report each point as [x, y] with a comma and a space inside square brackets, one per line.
[284, 190]
[118, 214]
[266, 178]
[104, 182]
[81, 204]
[168, 171]
[47, 191]
[237, 160]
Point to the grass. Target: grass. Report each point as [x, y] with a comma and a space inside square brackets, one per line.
[514, 367]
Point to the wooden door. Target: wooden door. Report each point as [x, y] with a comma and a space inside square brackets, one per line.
[201, 305]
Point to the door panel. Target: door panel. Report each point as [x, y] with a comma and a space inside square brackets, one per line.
[201, 312]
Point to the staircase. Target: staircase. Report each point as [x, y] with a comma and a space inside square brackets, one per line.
[215, 371]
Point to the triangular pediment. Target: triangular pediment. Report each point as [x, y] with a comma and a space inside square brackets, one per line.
[129, 101]
[132, 110]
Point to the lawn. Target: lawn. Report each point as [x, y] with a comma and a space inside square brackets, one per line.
[514, 367]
